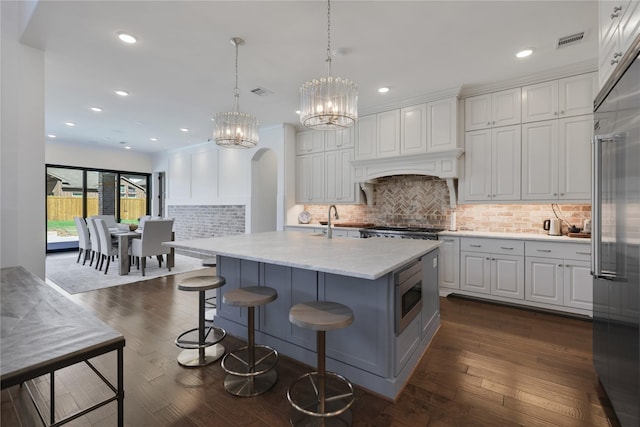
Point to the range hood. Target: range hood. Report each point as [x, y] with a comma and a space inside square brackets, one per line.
[442, 164]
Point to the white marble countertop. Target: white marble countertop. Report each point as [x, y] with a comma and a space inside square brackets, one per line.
[318, 225]
[516, 236]
[363, 258]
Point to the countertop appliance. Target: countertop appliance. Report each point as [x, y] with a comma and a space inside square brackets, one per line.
[616, 237]
[423, 233]
[553, 226]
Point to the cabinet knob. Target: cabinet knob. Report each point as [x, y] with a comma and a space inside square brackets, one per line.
[493, 122]
[614, 61]
[617, 9]
[488, 123]
[561, 194]
[555, 113]
[617, 54]
[488, 196]
[559, 265]
[614, 15]
[567, 265]
[493, 259]
[555, 194]
[494, 195]
[487, 258]
[562, 112]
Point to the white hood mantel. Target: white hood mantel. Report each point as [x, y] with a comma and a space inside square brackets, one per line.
[442, 164]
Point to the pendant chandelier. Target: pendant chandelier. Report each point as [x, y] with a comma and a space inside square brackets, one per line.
[328, 103]
[234, 129]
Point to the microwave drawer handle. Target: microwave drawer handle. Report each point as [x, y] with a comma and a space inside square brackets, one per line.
[543, 250]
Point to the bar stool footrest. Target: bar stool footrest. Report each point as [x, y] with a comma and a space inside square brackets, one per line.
[236, 362]
[304, 395]
[191, 358]
[218, 335]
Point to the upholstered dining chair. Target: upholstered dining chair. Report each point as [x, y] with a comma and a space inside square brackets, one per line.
[111, 222]
[107, 247]
[154, 233]
[95, 241]
[84, 241]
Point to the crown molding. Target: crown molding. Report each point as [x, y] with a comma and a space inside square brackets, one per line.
[430, 97]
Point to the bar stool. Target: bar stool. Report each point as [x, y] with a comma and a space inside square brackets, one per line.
[326, 394]
[205, 350]
[210, 302]
[250, 369]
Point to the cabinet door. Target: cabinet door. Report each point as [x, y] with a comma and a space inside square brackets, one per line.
[507, 276]
[543, 280]
[413, 139]
[366, 138]
[339, 176]
[540, 160]
[442, 125]
[339, 139]
[388, 132]
[506, 107]
[303, 142]
[578, 284]
[477, 165]
[629, 26]
[576, 95]
[449, 263]
[506, 165]
[574, 162]
[477, 112]
[316, 184]
[540, 102]
[303, 179]
[475, 272]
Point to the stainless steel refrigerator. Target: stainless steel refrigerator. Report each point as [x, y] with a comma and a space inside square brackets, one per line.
[616, 238]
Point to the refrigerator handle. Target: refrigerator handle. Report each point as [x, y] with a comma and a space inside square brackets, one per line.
[596, 200]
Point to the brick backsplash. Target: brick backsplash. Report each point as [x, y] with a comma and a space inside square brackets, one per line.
[195, 222]
[416, 200]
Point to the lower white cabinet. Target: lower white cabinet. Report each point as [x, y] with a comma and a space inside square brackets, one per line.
[536, 273]
[499, 271]
[449, 262]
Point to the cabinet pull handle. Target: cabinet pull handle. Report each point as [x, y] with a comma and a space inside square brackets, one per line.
[583, 253]
[504, 247]
[617, 54]
[543, 250]
[449, 240]
[476, 246]
[614, 61]
[614, 15]
[617, 8]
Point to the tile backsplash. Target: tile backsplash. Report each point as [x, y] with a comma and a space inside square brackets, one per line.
[416, 200]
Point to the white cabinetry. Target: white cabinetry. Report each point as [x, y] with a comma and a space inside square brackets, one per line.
[559, 274]
[339, 139]
[339, 176]
[310, 142]
[494, 109]
[571, 96]
[556, 159]
[449, 262]
[619, 25]
[492, 266]
[492, 164]
[310, 178]
[418, 129]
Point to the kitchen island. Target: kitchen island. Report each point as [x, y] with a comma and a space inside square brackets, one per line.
[359, 273]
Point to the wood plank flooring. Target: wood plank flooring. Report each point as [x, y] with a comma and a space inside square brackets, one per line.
[489, 365]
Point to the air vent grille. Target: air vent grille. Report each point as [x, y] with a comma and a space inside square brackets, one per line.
[260, 91]
[569, 40]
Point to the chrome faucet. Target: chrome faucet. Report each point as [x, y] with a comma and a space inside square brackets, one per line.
[329, 232]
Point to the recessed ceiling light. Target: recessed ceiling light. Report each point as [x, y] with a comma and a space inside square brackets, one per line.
[383, 90]
[122, 93]
[524, 53]
[127, 148]
[51, 135]
[126, 37]
[70, 124]
[297, 111]
[96, 109]
[153, 139]
[184, 129]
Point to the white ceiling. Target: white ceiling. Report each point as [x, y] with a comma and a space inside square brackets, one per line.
[181, 71]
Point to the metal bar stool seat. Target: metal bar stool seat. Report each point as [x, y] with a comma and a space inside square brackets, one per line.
[206, 349]
[321, 396]
[250, 369]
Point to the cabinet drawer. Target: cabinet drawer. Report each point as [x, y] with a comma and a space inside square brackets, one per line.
[494, 246]
[577, 251]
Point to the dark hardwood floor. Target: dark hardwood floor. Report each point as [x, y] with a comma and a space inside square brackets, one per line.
[488, 365]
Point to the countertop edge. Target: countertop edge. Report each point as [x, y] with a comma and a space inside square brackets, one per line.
[516, 236]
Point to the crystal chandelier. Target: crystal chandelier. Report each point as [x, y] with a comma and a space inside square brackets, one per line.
[234, 129]
[328, 103]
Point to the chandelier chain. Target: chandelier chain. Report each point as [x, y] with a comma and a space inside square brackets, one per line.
[329, 30]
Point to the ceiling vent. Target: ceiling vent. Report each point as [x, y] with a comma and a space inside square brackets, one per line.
[260, 91]
[569, 40]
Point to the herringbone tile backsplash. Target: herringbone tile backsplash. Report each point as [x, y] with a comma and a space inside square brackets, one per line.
[416, 200]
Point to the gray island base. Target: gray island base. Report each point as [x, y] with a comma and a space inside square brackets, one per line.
[359, 273]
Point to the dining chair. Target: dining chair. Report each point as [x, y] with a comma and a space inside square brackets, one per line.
[84, 242]
[150, 243]
[111, 222]
[95, 241]
[107, 247]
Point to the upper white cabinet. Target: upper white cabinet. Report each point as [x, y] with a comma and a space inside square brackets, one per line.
[571, 96]
[339, 139]
[492, 110]
[556, 159]
[492, 164]
[310, 142]
[339, 176]
[310, 178]
[418, 129]
[619, 25]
